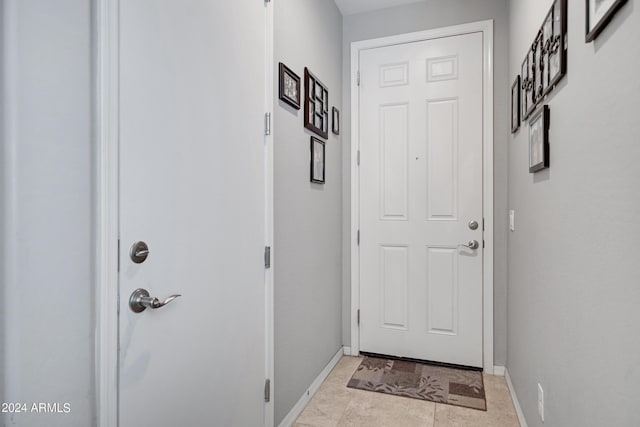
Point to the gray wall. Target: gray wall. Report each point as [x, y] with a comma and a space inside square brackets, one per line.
[47, 307]
[308, 218]
[573, 264]
[418, 17]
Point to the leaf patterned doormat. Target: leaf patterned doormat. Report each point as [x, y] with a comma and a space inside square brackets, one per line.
[439, 384]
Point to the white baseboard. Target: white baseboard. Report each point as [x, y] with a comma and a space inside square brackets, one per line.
[498, 370]
[347, 350]
[311, 391]
[514, 398]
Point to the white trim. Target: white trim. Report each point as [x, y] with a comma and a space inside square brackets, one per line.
[485, 27]
[347, 350]
[12, 327]
[514, 398]
[355, 198]
[107, 129]
[311, 391]
[499, 370]
[488, 183]
[269, 411]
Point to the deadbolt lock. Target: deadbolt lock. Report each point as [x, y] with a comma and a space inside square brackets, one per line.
[139, 252]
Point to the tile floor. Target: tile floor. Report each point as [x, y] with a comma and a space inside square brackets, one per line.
[336, 405]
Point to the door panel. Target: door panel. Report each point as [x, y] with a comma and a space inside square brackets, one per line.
[393, 267]
[442, 290]
[442, 148]
[394, 146]
[420, 185]
[192, 188]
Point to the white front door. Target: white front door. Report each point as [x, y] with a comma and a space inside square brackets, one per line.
[192, 188]
[420, 191]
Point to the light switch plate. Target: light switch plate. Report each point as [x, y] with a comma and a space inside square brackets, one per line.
[540, 402]
[512, 220]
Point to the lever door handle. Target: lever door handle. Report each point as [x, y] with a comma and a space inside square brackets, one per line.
[473, 244]
[140, 301]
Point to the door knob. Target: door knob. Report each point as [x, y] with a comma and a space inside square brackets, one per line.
[473, 244]
[140, 301]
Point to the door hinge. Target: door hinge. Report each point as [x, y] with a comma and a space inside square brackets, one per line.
[358, 159]
[483, 244]
[358, 77]
[118, 255]
[267, 257]
[267, 123]
[358, 317]
[267, 390]
[358, 237]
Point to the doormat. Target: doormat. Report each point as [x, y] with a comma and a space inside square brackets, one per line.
[422, 381]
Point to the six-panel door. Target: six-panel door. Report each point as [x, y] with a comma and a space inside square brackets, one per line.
[420, 187]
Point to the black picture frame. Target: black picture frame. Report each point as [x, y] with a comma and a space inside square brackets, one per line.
[316, 105]
[539, 140]
[594, 29]
[546, 61]
[317, 160]
[556, 46]
[289, 86]
[524, 86]
[530, 87]
[515, 105]
[335, 121]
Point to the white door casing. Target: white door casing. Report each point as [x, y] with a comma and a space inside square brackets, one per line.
[421, 126]
[181, 118]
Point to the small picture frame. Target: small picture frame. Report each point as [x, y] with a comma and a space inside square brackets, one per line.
[515, 105]
[289, 88]
[598, 15]
[524, 85]
[335, 121]
[539, 140]
[530, 87]
[317, 160]
[316, 105]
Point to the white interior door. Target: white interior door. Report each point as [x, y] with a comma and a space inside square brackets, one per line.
[192, 187]
[420, 189]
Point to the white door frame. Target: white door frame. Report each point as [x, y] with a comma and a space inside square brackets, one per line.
[269, 416]
[106, 189]
[486, 28]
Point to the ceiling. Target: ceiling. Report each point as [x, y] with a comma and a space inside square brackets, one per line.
[349, 7]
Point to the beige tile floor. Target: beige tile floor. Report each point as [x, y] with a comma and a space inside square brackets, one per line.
[336, 405]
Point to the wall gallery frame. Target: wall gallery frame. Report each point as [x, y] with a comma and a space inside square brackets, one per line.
[317, 160]
[316, 105]
[546, 61]
[289, 87]
[515, 105]
[539, 140]
[598, 15]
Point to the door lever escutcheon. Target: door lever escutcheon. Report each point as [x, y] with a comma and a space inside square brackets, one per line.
[473, 244]
[140, 301]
